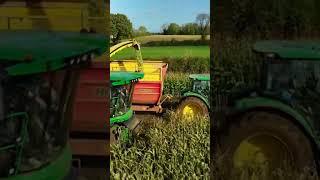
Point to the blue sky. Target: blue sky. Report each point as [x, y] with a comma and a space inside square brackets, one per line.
[154, 13]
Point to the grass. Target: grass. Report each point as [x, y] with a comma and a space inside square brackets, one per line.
[167, 149]
[164, 52]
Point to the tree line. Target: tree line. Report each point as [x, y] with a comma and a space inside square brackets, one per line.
[121, 28]
[200, 27]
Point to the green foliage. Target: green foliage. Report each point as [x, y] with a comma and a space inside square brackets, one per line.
[189, 64]
[236, 56]
[121, 27]
[176, 83]
[171, 149]
[177, 79]
[141, 31]
[265, 19]
[200, 27]
[173, 29]
[190, 29]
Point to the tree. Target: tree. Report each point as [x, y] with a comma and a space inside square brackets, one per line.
[141, 31]
[203, 21]
[164, 29]
[173, 29]
[121, 27]
[189, 29]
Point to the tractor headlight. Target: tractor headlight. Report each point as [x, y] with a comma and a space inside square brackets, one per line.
[72, 61]
[84, 58]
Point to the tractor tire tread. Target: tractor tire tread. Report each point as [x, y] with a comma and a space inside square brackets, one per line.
[251, 122]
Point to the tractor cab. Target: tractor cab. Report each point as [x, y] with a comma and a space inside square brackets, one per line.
[121, 95]
[291, 73]
[288, 65]
[38, 75]
[121, 113]
[195, 101]
[200, 84]
[265, 127]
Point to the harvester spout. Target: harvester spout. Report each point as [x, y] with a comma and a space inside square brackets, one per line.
[132, 43]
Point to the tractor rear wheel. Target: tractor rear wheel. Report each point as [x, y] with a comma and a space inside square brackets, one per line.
[264, 142]
[192, 107]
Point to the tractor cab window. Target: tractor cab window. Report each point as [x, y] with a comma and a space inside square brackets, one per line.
[202, 87]
[120, 99]
[34, 129]
[293, 75]
[297, 82]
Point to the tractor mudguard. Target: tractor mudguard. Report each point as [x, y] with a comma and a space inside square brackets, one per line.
[192, 94]
[255, 103]
[121, 119]
[57, 169]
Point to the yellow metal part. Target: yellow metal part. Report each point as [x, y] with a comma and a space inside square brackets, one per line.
[190, 111]
[54, 16]
[127, 44]
[152, 69]
[123, 45]
[261, 152]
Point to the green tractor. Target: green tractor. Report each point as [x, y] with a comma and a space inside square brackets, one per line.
[195, 101]
[274, 124]
[121, 113]
[122, 86]
[39, 71]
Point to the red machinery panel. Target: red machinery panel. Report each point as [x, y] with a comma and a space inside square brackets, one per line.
[147, 93]
[90, 107]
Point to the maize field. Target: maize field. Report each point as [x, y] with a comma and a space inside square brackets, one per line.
[168, 149]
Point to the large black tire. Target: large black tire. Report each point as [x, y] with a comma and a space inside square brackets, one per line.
[254, 123]
[193, 102]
